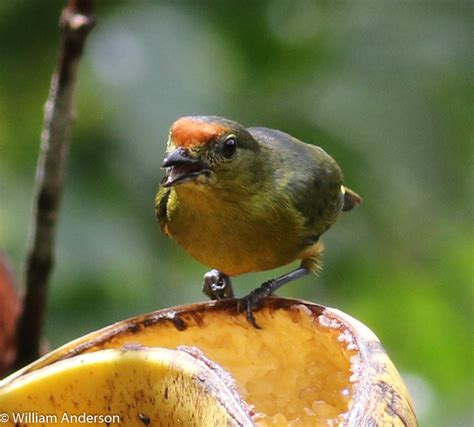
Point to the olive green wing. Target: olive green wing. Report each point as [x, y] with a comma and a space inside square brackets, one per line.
[161, 208]
[308, 175]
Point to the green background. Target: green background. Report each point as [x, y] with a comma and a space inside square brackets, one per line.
[384, 86]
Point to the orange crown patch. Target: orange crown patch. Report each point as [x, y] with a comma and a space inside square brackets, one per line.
[190, 131]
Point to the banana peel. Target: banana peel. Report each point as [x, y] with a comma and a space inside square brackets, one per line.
[134, 386]
[308, 365]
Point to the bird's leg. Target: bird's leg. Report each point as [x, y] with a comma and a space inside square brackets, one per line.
[254, 298]
[217, 285]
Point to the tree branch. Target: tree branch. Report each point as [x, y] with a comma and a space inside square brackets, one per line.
[76, 21]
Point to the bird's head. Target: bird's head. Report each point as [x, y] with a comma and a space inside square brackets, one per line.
[208, 150]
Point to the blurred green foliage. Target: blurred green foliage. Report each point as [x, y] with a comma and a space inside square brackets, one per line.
[384, 86]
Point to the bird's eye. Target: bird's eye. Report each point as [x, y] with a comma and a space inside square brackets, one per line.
[229, 147]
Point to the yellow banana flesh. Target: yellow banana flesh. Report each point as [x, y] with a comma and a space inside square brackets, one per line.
[308, 365]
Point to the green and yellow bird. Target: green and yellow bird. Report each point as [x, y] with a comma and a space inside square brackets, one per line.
[241, 199]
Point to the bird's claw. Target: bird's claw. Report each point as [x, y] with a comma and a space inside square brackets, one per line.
[217, 285]
[253, 300]
[247, 304]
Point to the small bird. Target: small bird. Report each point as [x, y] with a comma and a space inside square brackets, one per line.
[241, 200]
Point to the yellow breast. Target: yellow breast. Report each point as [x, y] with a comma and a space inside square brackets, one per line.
[235, 237]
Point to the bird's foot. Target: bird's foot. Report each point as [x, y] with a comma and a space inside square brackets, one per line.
[217, 285]
[253, 300]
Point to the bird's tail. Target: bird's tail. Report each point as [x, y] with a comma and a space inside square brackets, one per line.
[351, 199]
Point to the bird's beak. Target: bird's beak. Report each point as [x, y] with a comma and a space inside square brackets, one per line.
[181, 167]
